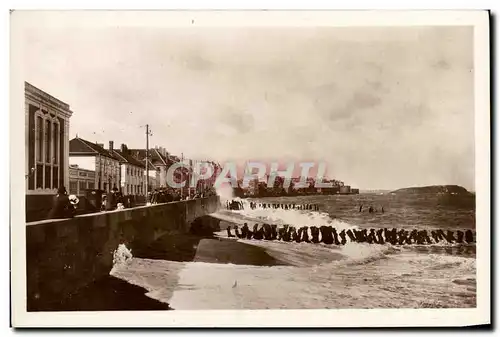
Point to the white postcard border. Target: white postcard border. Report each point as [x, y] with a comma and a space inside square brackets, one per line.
[256, 318]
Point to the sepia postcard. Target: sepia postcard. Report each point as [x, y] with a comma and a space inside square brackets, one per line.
[250, 168]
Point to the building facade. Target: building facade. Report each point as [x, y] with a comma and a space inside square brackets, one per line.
[158, 165]
[91, 156]
[253, 187]
[80, 180]
[132, 177]
[47, 149]
[154, 177]
[346, 189]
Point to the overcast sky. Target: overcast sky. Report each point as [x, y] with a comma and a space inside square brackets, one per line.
[384, 107]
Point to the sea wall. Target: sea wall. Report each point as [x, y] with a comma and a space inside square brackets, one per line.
[38, 206]
[67, 254]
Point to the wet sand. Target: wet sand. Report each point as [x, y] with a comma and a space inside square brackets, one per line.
[190, 248]
[230, 251]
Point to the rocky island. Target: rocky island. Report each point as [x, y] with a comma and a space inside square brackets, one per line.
[435, 189]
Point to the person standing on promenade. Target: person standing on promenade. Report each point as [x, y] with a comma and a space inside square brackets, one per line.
[62, 208]
[112, 199]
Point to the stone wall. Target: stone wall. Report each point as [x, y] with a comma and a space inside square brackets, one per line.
[38, 206]
[65, 255]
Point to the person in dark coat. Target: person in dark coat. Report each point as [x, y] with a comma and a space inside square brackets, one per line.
[120, 199]
[237, 232]
[62, 208]
[112, 199]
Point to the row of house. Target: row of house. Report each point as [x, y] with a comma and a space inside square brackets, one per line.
[52, 160]
[122, 168]
[125, 169]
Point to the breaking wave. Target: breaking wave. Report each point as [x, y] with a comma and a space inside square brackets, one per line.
[356, 275]
[352, 253]
[295, 218]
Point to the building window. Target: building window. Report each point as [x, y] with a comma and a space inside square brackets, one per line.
[47, 152]
[82, 186]
[47, 142]
[55, 142]
[55, 177]
[73, 187]
[39, 176]
[90, 185]
[39, 138]
[48, 176]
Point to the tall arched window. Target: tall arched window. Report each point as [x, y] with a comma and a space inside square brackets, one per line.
[55, 155]
[47, 151]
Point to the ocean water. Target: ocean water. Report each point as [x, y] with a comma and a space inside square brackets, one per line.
[318, 276]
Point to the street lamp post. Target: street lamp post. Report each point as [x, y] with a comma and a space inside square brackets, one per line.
[182, 172]
[148, 133]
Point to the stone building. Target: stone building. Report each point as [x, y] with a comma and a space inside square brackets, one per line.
[46, 143]
[160, 164]
[154, 176]
[47, 130]
[80, 180]
[132, 176]
[346, 189]
[91, 156]
[253, 187]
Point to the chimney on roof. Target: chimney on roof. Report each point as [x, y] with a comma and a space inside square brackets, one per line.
[124, 148]
[110, 145]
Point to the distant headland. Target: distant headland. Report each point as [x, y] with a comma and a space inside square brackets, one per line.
[434, 189]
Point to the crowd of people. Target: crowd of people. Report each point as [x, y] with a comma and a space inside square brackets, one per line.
[163, 195]
[238, 205]
[113, 200]
[329, 235]
[65, 206]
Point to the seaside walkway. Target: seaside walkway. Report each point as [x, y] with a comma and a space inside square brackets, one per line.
[64, 255]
